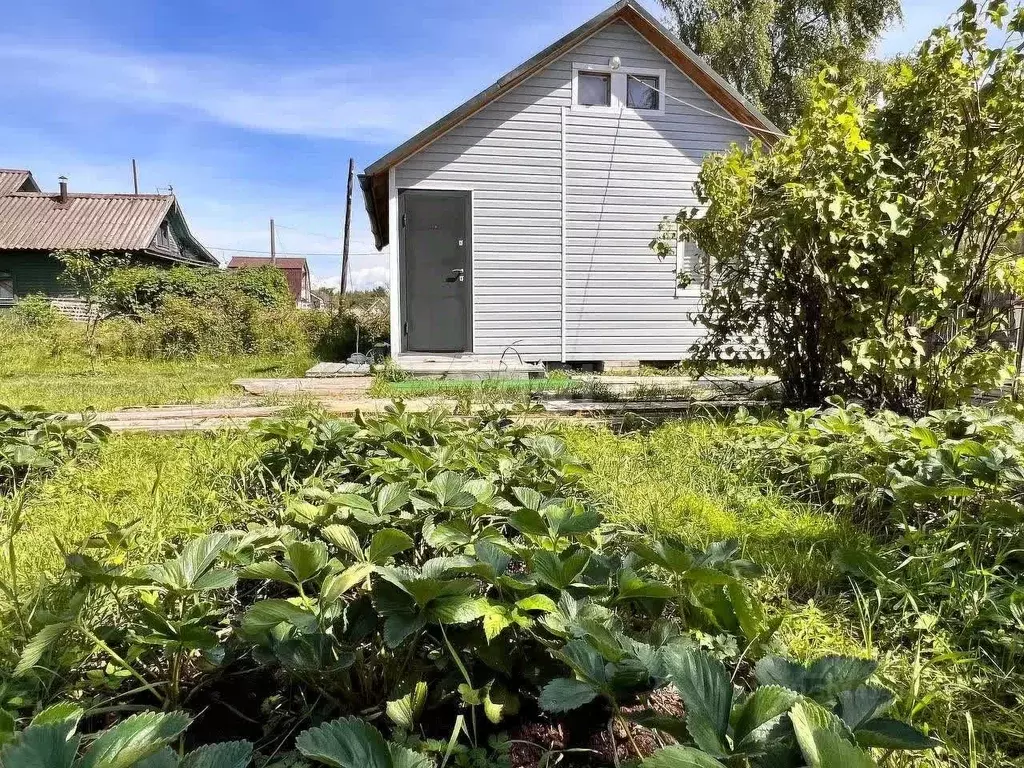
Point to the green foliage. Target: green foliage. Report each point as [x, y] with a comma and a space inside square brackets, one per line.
[189, 313]
[865, 254]
[785, 44]
[822, 715]
[945, 493]
[136, 291]
[35, 311]
[34, 441]
[84, 272]
[333, 333]
[141, 741]
[413, 563]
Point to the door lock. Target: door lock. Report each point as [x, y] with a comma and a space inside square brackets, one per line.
[458, 276]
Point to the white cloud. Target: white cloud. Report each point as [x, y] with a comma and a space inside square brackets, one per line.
[362, 279]
[328, 101]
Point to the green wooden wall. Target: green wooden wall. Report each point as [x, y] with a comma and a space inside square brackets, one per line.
[34, 272]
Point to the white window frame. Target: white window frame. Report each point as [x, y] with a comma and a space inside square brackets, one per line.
[684, 263]
[618, 98]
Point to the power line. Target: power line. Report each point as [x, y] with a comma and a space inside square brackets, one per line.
[289, 253]
[757, 128]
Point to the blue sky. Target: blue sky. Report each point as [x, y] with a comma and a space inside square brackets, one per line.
[251, 108]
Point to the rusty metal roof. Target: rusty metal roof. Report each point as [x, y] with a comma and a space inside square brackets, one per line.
[37, 221]
[12, 180]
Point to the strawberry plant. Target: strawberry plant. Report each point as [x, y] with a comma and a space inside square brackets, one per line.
[32, 440]
[414, 568]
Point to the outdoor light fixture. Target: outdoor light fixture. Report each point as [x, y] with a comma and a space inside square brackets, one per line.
[615, 62]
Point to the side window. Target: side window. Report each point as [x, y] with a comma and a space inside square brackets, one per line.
[693, 268]
[6, 288]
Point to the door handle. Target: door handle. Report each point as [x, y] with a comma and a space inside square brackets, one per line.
[458, 276]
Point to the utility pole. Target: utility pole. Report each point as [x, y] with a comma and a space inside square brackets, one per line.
[135, 176]
[273, 244]
[348, 228]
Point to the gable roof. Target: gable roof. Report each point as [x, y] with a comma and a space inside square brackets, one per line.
[374, 180]
[39, 221]
[12, 180]
[294, 269]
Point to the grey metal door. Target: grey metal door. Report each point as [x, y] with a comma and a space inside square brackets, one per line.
[435, 255]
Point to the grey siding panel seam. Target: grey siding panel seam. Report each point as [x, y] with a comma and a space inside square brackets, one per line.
[565, 231]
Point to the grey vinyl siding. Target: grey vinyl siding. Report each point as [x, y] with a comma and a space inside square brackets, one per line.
[624, 173]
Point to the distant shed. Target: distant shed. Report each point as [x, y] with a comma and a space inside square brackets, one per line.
[296, 272]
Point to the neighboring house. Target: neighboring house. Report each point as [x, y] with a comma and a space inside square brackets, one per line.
[149, 228]
[523, 218]
[296, 272]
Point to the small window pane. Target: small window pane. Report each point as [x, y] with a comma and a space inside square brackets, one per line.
[595, 90]
[6, 288]
[642, 92]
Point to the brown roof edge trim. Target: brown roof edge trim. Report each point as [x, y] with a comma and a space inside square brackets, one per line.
[378, 223]
[650, 28]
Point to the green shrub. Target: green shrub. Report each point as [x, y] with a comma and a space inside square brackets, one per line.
[944, 497]
[35, 311]
[137, 291]
[333, 335]
[417, 568]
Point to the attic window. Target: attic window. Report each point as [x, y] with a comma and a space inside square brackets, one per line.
[643, 91]
[595, 89]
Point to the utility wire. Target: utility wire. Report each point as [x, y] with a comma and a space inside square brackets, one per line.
[290, 253]
[756, 128]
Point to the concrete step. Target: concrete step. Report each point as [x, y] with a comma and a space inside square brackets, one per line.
[467, 367]
[337, 370]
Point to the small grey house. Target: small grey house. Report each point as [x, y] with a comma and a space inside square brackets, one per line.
[150, 229]
[523, 218]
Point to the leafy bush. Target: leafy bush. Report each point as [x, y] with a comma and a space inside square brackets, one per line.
[136, 291]
[944, 496]
[35, 311]
[866, 254]
[333, 334]
[823, 714]
[32, 440]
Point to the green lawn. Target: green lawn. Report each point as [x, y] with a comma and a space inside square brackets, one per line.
[677, 481]
[51, 370]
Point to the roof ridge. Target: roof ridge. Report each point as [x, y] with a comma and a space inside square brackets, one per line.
[117, 195]
[15, 170]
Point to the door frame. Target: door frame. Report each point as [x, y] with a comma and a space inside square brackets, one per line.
[467, 195]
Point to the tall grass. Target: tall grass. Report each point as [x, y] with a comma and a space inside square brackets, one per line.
[695, 481]
[677, 481]
[169, 487]
[51, 368]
